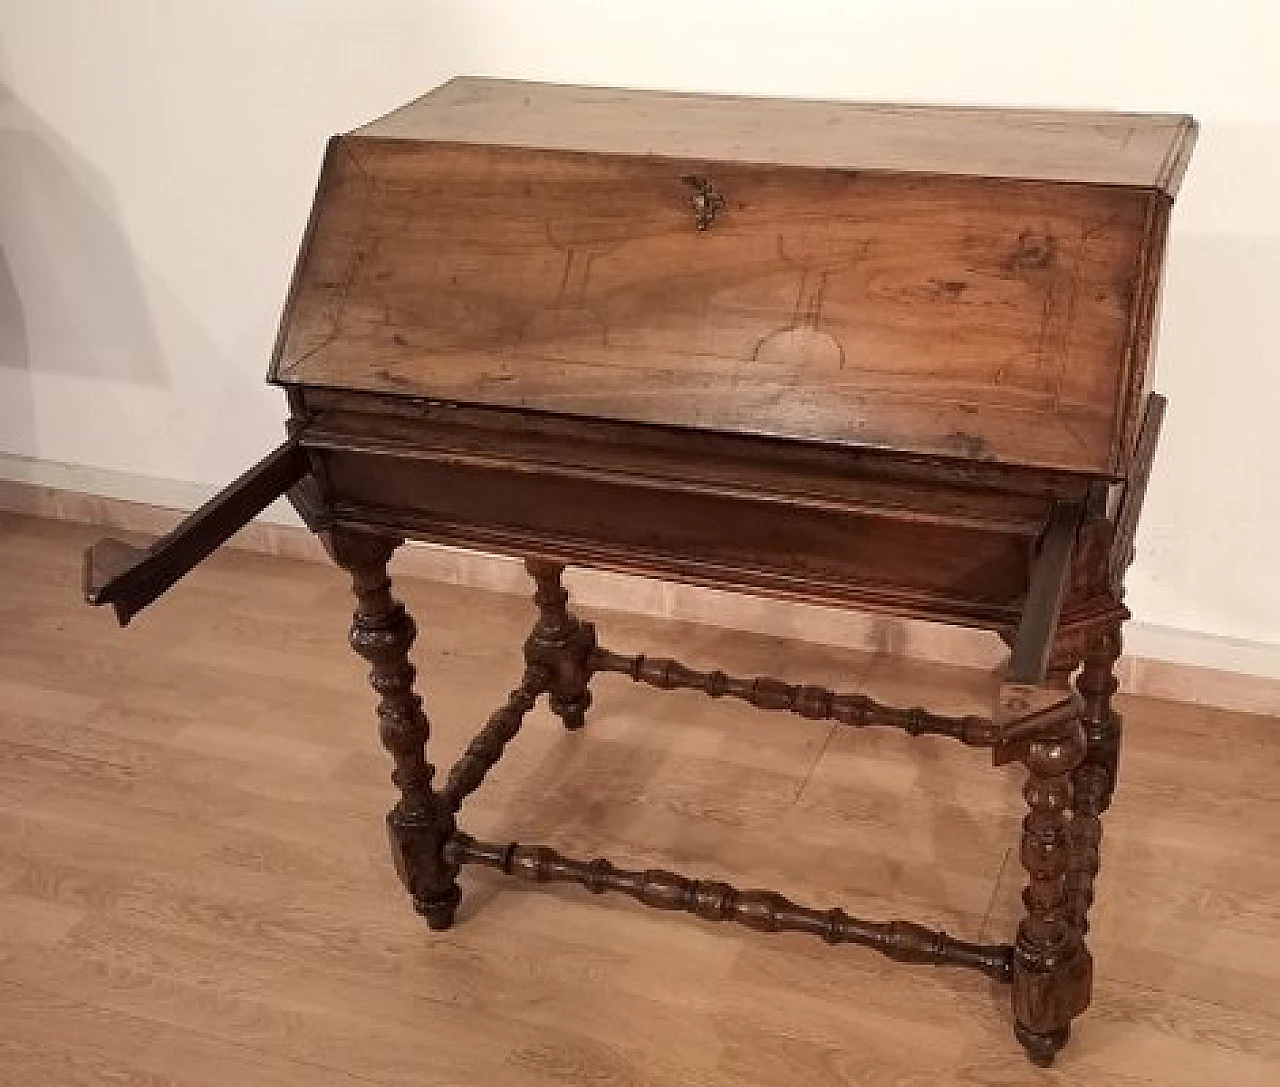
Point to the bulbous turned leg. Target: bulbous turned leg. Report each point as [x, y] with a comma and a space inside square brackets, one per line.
[382, 632]
[1095, 779]
[560, 643]
[1052, 971]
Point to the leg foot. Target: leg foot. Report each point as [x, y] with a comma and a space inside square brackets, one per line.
[417, 837]
[1041, 1048]
[572, 713]
[439, 912]
[561, 643]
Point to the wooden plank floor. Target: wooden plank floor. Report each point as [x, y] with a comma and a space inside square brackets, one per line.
[194, 886]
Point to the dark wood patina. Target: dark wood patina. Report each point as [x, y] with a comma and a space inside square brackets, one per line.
[894, 358]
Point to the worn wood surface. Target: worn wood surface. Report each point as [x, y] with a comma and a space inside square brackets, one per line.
[193, 884]
[950, 542]
[973, 575]
[1143, 150]
[969, 318]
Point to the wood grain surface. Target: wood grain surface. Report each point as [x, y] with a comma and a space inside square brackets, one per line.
[971, 318]
[194, 887]
[1144, 150]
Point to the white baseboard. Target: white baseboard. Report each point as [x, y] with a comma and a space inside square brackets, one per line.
[1161, 662]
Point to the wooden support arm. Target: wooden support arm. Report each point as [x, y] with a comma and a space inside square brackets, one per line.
[1135, 492]
[1026, 709]
[129, 578]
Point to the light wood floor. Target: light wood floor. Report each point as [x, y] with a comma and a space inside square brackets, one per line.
[194, 886]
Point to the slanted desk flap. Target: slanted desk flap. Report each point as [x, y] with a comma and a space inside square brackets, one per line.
[990, 319]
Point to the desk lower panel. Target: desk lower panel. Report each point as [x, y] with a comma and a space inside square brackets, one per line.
[953, 573]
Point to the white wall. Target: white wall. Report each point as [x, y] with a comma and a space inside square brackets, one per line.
[157, 159]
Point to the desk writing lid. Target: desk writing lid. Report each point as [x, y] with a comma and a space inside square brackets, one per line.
[975, 284]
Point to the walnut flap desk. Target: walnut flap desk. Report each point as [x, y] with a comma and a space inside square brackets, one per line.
[895, 358]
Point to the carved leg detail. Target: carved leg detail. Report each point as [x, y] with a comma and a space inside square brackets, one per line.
[560, 643]
[487, 748]
[1095, 779]
[1052, 971]
[382, 632]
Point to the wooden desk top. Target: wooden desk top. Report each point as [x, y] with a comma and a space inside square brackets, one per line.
[1140, 150]
[976, 285]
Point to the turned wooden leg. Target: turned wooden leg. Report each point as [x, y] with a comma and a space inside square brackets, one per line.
[560, 643]
[1052, 971]
[382, 632]
[1095, 779]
